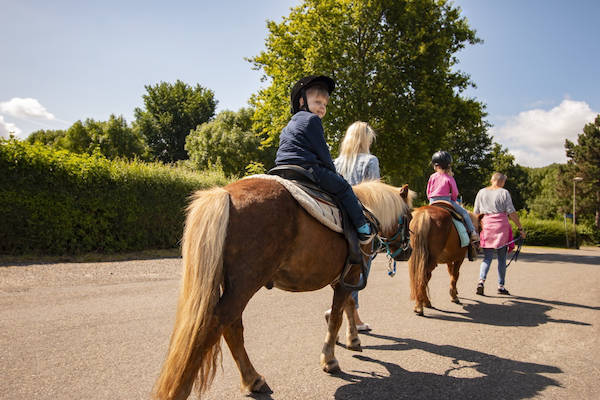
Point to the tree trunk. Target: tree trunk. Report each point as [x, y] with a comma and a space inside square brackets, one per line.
[597, 209]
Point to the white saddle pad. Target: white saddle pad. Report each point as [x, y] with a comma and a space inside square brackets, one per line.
[324, 212]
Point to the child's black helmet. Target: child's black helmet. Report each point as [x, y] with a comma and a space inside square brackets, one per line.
[441, 158]
[299, 89]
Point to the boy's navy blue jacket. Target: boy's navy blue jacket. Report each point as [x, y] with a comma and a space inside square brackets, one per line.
[302, 142]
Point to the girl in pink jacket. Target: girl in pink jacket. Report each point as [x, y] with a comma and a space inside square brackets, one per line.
[442, 186]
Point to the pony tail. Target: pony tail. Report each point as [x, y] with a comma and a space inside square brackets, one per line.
[195, 347]
[420, 258]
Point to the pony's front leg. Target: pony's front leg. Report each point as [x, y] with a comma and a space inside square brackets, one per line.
[252, 381]
[328, 360]
[352, 339]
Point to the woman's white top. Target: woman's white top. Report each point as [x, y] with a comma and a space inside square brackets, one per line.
[493, 201]
[365, 168]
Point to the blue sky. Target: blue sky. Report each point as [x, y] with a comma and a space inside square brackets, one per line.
[537, 70]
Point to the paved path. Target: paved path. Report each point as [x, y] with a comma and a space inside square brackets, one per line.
[100, 331]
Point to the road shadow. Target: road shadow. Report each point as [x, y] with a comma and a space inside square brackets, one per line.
[557, 303]
[511, 313]
[498, 378]
[86, 258]
[560, 258]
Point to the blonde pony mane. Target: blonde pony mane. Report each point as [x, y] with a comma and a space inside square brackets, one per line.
[384, 201]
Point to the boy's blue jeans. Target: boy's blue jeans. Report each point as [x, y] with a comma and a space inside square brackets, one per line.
[488, 254]
[458, 208]
[336, 185]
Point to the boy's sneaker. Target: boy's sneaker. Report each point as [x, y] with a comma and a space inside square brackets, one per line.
[503, 291]
[474, 236]
[479, 289]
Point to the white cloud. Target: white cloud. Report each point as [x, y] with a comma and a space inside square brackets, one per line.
[537, 137]
[24, 108]
[6, 128]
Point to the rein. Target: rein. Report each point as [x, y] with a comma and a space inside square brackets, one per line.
[519, 240]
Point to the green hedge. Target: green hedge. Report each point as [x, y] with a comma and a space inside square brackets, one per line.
[552, 232]
[55, 202]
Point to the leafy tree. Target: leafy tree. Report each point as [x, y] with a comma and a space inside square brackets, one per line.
[115, 138]
[112, 138]
[471, 162]
[78, 138]
[46, 136]
[543, 199]
[584, 162]
[517, 181]
[394, 64]
[228, 140]
[171, 112]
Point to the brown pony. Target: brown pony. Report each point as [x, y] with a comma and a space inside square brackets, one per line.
[434, 239]
[237, 239]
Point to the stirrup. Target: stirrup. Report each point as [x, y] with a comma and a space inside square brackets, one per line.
[471, 252]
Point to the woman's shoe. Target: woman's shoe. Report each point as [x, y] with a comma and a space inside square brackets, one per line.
[479, 289]
[503, 291]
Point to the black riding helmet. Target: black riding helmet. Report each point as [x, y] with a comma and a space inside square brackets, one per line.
[299, 90]
[441, 158]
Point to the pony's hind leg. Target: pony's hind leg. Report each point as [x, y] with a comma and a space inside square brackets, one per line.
[328, 361]
[426, 301]
[252, 381]
[453, 270]
[422, 297]
[352, 339]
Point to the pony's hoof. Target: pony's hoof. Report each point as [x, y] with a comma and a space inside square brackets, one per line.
[331, 367]
[419, 312]
[354, 345]
[260, 386]
[457, 301]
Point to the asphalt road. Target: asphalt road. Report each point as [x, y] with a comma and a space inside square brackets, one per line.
[100, 331]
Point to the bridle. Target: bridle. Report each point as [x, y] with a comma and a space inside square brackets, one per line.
[382, 244]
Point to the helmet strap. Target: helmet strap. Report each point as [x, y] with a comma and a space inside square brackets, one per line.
[305, 106]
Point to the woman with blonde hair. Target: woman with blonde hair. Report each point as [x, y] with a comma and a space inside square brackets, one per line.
[496, 205]
[356, 164]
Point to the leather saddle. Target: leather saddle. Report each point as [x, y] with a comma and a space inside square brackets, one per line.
[304, 179]
[448, 207]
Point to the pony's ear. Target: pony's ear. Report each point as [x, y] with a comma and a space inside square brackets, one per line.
[404, 192]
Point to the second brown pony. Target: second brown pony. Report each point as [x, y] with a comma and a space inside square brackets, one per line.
[434, 240]
[237, 239]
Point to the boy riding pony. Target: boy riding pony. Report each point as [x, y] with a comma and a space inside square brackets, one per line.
[302, 143]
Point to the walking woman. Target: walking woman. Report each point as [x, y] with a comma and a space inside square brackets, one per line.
[496, 205]
[356, 164]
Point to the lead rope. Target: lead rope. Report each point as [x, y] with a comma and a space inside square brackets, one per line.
[391, 268]
[519, 240]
